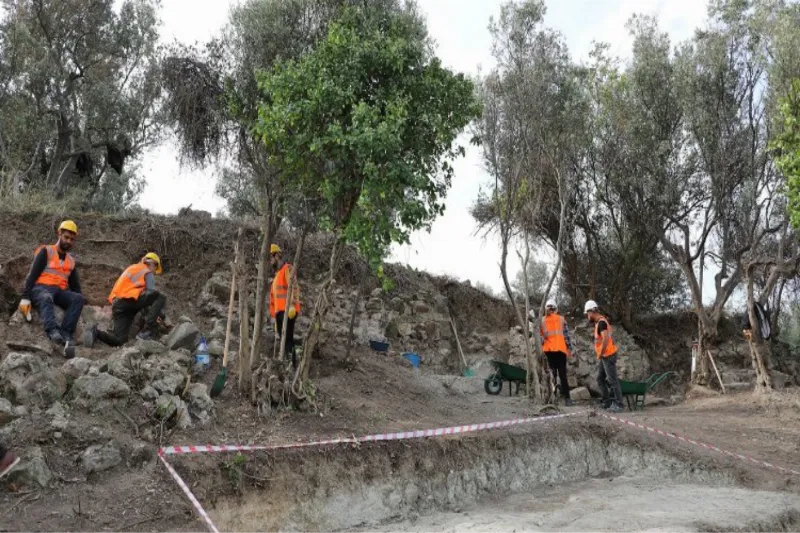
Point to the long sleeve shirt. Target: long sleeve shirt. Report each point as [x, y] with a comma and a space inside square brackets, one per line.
[149, 282]
[38, 266]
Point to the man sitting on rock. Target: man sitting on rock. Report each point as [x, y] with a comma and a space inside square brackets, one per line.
[278, 296]
[53, 280]
[134, 291]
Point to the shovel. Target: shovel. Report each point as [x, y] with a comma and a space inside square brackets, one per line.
[219, 381]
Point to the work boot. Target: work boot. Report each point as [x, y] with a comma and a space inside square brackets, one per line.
[69, 349]
[90, 336]
[7, 462]
[616, 408]
[55, 337]
[568, 402]
[144, 335]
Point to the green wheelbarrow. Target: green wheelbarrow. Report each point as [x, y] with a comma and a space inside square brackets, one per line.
[504, 372]
[634, 392]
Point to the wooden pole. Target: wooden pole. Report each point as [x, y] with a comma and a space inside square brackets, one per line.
[721, 384]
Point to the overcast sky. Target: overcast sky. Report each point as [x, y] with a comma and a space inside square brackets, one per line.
[460, 30]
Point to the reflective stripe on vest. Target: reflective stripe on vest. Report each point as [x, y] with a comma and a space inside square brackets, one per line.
[611, 348]
[131, 283]
[56, 272]
[553, 336]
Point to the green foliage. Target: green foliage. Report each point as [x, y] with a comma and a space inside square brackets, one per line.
[362, 128]
[786, 148]
[78, 98]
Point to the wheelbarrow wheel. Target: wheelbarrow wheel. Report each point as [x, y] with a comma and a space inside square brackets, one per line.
[493, 385]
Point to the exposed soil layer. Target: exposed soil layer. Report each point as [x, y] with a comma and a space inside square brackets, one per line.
[391, 483]
[619, 504]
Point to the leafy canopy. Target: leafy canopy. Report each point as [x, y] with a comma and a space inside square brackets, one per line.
[787, 148]
[364, 127]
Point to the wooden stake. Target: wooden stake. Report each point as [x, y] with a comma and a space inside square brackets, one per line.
[458, 343]
[721, 384]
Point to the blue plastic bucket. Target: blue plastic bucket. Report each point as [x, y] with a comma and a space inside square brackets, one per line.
[413, 358]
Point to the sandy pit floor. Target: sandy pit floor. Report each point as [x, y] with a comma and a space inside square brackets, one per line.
[618, 504]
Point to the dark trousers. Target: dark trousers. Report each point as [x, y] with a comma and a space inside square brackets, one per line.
[123, 313]
[557, 361]
[607, 379]
[43, 297]
[3, 451]
[289, 335]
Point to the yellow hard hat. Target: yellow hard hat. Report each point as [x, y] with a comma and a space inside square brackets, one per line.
[274, 249]
[154, 257]
[69, 225]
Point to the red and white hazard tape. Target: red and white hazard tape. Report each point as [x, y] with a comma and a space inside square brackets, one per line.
[182, 484]
[403, 435]
[439, 432]
[694, 442]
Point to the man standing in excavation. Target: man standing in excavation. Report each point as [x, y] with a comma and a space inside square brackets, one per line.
[134, 291]
[606, 352]
[279, 295]
[53, 280]
[556, 346]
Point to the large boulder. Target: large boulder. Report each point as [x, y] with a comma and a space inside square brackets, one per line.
[32, 469]
[149, 347]
[198, 397]
[184, 335]
[100, 457]
[26, 378]
[166, 372]
[7, 413]
[16, 368]
[76, 367]
[124, 363]
[92, 389]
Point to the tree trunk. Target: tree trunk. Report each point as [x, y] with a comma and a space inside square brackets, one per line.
[261, 283]
[62, 143]
[321, 306]
[759, 349]
[356, 304]
[532, 364]
[245, 371]
[290, 290]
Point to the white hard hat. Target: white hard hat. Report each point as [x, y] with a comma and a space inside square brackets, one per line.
[590, 305]
[551, 303]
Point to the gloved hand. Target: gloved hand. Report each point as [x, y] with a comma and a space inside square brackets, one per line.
[25, 308]
[292, 313]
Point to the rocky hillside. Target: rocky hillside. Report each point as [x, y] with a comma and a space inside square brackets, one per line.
[88, 428]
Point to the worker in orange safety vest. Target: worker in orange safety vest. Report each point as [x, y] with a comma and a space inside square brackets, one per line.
[606, 352]
[134, 292]
[278, 298]
[557, 346]
[53, 280]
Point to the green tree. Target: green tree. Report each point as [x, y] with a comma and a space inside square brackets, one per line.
[786, 147]
[79, 98]
[364, 127]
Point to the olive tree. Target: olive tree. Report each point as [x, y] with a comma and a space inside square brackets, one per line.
[79, 98]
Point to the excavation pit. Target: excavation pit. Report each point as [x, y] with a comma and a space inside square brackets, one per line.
[559, 475]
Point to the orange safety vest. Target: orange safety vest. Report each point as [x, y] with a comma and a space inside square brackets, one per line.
[280, 290]
[57, 272]
[552, 331]
[611, 348]
[131, 283]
